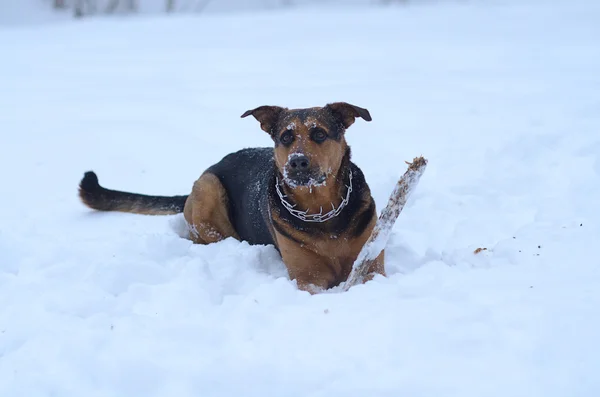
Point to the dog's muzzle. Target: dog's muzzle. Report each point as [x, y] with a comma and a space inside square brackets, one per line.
[298, 171]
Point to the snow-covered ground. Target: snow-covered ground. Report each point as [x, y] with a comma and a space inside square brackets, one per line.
[502, 98]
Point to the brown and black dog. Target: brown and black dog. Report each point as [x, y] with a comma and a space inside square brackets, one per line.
[304, 196]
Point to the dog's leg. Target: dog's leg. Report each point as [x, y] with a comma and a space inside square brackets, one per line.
[206, 211]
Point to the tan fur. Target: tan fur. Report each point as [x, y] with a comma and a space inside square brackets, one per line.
[327, 155]
[322, 263]
[206, 211]
[139, 209]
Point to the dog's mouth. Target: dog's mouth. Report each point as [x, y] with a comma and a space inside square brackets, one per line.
[304, 179]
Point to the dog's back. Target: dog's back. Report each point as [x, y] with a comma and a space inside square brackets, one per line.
[246, 176]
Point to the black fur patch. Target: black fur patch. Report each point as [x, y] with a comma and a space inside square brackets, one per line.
[89, 182]
[245, 175]
[283, 231]
[363, 219]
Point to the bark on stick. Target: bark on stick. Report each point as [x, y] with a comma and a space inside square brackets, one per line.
[381, 233]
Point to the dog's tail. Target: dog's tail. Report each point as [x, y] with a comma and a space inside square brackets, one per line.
[96, 197]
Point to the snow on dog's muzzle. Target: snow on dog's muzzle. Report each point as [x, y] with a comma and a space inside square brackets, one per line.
[298, 171]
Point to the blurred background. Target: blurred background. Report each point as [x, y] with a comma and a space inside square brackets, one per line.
[28, 11]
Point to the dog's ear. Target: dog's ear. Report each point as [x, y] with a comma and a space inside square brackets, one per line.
[345, 113]
[266, 115]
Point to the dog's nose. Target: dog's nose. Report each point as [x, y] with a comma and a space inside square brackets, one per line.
[300, 163]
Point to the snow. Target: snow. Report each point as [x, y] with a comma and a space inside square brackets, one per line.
[502, 98]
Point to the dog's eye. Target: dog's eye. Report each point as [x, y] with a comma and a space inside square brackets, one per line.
[286, 138]
[318, 135]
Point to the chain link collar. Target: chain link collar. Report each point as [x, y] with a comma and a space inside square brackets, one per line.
[320, 217]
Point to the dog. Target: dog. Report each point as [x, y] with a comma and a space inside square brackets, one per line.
[304, 196]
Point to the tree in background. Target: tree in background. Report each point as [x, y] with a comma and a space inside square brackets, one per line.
[84, 7]
[89, 7]
[170, 5]
[131, 5]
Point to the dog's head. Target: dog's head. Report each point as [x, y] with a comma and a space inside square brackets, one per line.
[309, 143]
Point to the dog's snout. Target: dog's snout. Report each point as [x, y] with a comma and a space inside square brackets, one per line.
[300, 163]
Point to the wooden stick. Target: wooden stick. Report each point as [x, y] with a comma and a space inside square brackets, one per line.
[381, 232]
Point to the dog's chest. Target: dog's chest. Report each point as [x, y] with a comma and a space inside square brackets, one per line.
[339, 249]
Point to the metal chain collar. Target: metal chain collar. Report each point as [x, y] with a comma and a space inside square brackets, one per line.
[320, 217]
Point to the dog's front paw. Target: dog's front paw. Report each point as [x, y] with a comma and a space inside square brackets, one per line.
[309, 287]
